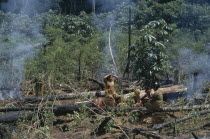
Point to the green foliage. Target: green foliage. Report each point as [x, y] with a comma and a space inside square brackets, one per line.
[69, 57]
[185, 14]
[77, 25]
[149, 53]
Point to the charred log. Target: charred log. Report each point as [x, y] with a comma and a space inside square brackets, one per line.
[61, 97]
[76, 107]
[26, 114]
[15, 116]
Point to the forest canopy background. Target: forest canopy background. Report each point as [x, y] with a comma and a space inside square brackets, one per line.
[165, 32]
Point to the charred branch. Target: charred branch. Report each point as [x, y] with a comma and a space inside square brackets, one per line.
[101, 128]
[137, 131]
[102, 86]
[194, 135]
[168, 124]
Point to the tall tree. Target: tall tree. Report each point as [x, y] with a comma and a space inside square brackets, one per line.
[149, 55]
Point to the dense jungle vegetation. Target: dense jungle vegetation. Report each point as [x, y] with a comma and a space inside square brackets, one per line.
[75, 38]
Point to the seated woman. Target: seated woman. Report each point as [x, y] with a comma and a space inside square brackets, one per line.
[110, 92]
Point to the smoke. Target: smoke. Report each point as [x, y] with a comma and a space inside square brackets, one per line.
[109, 24]
[196, 68]
[19, 32]
[29, 7]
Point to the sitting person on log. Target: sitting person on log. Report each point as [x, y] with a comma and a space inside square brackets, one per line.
[153, 100]
[157, 98]
[110, 91]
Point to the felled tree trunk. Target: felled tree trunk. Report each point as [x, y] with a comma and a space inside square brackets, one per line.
[15, 116]
[70, 108]
[62, 96]
[24, 113]
[75, 107]
[167, 95]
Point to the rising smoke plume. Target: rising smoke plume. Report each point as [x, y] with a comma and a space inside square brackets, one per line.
[196, 68]
[19, 32]
[109, 23]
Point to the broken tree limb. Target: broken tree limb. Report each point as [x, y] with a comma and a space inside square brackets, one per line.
[101, 128]
[137, 131]
[168, 124]
[194, 135]
[200, 127]
[164, 109]
[102, 86]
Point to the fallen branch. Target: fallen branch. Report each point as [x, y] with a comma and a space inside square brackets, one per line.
[164, 109]
[102, 86]
[101, 128]
[194, 135]
[200, 127]
[137, 131]
[168, 124]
